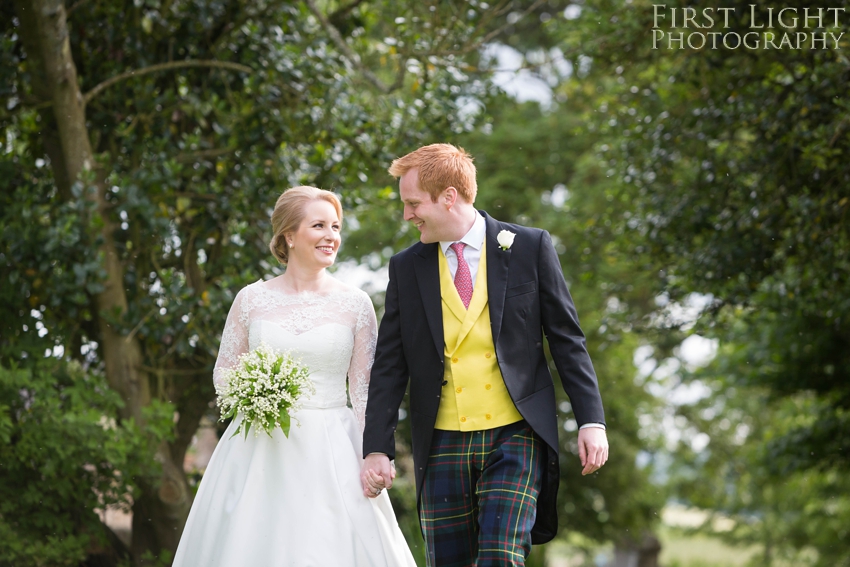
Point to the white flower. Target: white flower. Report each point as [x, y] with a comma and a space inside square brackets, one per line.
[265, 388]
[505, 239]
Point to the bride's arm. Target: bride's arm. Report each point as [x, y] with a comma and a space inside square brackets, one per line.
[234, 338]
[362, 357]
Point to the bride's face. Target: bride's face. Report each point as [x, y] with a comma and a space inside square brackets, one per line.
[317, 240]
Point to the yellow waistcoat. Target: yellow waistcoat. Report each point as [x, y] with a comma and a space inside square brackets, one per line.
[474, 396]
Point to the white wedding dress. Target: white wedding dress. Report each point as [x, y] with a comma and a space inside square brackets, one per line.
[297, 501]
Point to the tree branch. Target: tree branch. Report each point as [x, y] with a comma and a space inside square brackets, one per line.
[490, 36]
[73, 7]
[164, 67]
[352, 56]
[211, 153]
[343, 11]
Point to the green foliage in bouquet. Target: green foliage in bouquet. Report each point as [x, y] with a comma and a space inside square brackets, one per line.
[266, 388]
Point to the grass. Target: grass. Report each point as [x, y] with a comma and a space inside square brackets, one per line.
[685, 550]
[678, 549]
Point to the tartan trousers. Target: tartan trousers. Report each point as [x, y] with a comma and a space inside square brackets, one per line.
[479, 496]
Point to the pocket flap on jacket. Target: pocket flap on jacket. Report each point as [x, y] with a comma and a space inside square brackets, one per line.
[520, 289]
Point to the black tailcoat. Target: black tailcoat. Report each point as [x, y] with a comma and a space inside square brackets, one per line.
[527, 298]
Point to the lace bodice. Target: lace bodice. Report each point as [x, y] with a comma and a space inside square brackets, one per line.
[333, 335]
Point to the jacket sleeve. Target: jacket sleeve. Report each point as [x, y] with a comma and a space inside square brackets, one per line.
[389, 377]
[566, 339]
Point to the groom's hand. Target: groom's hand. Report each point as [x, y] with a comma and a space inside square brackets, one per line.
[376, 474]
[592, 449]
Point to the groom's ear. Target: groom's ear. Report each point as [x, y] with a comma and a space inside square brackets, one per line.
[449, 196]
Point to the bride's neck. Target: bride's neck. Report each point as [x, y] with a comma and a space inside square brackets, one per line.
[297, 279]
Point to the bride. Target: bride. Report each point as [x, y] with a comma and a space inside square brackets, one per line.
[297, 501]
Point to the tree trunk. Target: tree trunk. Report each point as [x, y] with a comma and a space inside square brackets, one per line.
[637, 554]
[161, 509]
[49, 133]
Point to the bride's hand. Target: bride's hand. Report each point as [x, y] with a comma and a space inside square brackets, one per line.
[376, 474]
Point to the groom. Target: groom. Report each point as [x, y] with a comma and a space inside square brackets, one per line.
[466, 311]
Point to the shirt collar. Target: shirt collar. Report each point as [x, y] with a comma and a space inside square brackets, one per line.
[474, 238]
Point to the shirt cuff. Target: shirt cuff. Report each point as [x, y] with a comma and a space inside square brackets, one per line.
[594, 425]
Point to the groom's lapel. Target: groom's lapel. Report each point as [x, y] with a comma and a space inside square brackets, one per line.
[497, 275]
[428, 278]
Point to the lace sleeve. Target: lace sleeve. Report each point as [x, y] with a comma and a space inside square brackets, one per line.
[365, 338]
[234, 339]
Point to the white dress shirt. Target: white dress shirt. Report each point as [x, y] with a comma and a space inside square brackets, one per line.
[474, 240]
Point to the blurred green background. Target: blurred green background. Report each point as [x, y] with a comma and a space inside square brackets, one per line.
[698, 200]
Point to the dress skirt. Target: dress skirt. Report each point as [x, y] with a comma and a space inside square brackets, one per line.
[291, 502]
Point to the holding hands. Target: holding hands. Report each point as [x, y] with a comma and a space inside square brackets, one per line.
[376, 474]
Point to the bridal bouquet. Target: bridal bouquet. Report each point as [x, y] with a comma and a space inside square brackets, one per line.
[266, 387]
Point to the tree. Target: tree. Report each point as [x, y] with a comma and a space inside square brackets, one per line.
[793, 516]
[143, 147]
[734, 165]
[56, 430]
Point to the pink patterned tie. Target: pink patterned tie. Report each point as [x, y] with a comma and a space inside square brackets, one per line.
[463, 279]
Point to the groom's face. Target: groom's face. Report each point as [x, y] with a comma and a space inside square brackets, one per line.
[432, 219]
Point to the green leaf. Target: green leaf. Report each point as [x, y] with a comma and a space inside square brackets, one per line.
[285, 423]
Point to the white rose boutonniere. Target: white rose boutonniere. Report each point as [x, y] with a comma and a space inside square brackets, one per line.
[505, 239]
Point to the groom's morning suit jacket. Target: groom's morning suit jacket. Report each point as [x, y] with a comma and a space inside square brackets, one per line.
[527, 298]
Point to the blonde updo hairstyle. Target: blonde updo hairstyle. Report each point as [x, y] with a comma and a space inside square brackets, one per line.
[289, 212]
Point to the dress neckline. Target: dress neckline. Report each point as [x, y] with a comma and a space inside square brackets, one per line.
[344, 289]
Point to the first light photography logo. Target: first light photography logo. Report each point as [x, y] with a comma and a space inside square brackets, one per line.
[726, 28]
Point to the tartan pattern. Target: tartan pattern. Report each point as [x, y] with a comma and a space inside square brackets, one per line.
[479, 496]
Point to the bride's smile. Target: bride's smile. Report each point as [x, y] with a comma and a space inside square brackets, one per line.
[317, 240]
